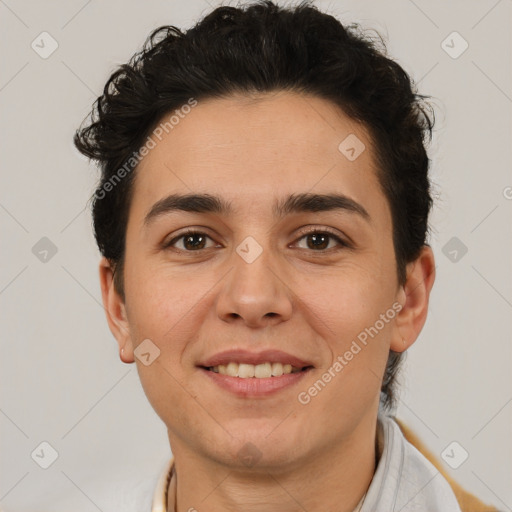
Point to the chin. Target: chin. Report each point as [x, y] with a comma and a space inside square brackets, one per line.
[266, 446]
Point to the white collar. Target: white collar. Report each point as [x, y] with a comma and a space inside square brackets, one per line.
[160, 494]
[405, 480]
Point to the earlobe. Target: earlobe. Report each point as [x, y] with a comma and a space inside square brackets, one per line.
[115, 311]
[414, 298]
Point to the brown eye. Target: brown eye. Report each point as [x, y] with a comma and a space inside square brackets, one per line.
[318, 239]
[191, 241]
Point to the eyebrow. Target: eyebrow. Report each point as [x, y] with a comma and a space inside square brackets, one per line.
[294, 203]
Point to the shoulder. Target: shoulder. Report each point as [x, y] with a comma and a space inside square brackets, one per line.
[405, 480]
[417, 450]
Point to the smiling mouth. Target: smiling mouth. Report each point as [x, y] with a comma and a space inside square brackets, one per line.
[258, 371]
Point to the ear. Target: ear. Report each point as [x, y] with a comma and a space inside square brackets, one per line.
[414, 296]
[115, 311]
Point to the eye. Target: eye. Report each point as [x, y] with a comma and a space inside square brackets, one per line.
[193, 240]
[319, 239]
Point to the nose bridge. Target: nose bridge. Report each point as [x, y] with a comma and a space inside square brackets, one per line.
[253, 290]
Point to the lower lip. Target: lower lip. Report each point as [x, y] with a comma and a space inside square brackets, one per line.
[254, 387]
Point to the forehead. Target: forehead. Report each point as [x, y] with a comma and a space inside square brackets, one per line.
[248, 148]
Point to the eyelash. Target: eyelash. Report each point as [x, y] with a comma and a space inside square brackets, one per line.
[309, 231]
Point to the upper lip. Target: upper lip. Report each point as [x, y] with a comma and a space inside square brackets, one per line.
[244, 356]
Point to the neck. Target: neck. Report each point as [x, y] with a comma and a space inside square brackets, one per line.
[336, 480]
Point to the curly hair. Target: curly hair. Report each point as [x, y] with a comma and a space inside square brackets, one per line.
[258, 48]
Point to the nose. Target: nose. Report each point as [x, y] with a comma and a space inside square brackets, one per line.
[254, 293]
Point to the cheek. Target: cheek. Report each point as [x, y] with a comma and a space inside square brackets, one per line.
[162, 302]
[354, 316]
[164, 309]
[346, 302]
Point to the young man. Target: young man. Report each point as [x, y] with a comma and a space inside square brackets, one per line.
[262, 216]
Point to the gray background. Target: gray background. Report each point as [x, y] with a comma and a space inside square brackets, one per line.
[61, 378]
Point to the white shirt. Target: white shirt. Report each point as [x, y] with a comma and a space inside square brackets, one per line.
[405, 481]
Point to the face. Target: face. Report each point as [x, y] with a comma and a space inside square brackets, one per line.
[302, 280]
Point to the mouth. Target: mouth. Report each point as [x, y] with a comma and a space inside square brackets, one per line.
[256, 371]
[247, 374]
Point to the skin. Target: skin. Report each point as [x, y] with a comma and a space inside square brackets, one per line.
[252, 151]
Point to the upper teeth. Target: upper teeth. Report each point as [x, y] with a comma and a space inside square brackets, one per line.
[259, 371]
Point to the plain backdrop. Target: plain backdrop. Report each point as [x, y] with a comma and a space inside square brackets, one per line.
[61, 378]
